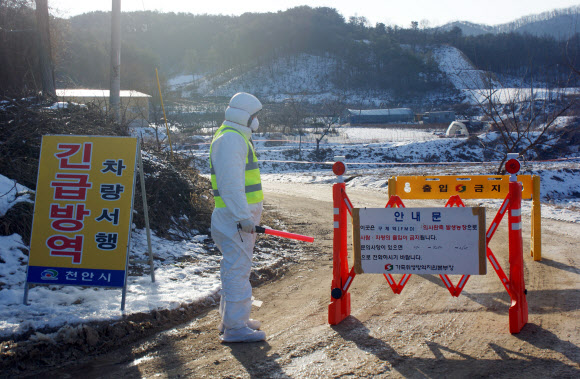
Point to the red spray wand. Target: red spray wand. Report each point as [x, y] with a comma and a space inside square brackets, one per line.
[279, 233]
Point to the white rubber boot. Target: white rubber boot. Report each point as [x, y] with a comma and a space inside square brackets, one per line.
[252, 324]
[236, 317]
[244, 334]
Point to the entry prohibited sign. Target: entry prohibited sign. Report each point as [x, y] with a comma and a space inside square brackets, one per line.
[83, 209]
[419, 240]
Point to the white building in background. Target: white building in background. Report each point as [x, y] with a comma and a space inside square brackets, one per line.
[457, 129]
[134, 105]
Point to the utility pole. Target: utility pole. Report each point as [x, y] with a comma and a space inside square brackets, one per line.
[44, 50]
[115, 89]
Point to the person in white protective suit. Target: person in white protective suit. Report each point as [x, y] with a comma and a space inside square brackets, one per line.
[237, 188]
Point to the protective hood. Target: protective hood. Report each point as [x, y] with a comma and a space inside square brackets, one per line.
[241, 108]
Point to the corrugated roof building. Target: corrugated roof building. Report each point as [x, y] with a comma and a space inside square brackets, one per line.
[439, 117]
[378, 116]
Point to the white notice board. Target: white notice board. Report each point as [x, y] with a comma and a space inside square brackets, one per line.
[419, 240]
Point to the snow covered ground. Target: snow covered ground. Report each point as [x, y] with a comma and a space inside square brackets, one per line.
[188, 271]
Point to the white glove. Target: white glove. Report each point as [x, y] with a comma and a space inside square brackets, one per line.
[247, 225]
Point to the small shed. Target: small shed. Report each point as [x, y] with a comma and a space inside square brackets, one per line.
[134, 105]
[457, 129]
[439, 117]
[378, 116]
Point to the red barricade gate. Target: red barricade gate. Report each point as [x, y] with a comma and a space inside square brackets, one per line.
[342, 278]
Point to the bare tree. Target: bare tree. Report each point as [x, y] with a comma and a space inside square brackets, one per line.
[523, 117]
[296, 110]
[277, 118]
[331, 111]
[157, 121]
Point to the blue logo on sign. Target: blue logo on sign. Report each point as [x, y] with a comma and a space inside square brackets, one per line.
[49, 275]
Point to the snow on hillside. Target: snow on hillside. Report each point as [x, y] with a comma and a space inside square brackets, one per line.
[477, 86]
[460, 71]
[304, 77]
[180, 81]
[308, 78]
[283, 78]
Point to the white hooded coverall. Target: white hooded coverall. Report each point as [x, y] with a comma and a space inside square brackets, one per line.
[228, 160]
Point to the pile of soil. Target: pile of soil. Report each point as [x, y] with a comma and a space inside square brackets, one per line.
[178, 198]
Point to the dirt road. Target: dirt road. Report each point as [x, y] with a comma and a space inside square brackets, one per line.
[423, 332]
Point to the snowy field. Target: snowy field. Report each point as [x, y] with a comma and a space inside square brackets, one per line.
[365, 135]
[372, 156]
[517, 95]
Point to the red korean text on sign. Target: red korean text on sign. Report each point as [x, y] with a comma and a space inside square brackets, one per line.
[71, 149]
[72, 187]
[68, 218]
[63, 246]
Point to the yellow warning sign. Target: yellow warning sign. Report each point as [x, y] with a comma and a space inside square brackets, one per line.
[82, 213]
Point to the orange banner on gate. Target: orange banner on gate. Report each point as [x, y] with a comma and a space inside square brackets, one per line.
[468, 187]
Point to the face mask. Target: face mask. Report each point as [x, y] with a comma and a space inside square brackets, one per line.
[255, 124]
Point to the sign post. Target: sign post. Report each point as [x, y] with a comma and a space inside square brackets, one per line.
[83, 212]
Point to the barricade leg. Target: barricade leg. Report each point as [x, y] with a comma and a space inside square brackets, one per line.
[339, 307]
[518, 312]
[536, 242]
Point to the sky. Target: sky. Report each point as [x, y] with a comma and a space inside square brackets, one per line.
[402, 12]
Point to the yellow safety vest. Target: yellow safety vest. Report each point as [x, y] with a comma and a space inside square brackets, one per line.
[253, 182]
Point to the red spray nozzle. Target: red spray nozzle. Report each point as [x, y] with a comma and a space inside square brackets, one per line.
[279, 233]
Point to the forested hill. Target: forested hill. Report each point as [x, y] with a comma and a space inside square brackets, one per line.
[367, 57]
[560, 24]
